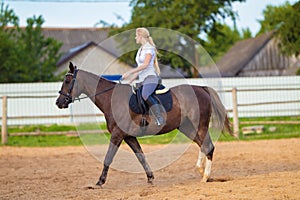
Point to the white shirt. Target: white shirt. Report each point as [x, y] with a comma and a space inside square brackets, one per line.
[140, 57]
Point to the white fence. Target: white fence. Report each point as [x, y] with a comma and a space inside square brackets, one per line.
[258, 96]
[34, 103]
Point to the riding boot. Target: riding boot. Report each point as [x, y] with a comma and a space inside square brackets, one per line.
[156, 110]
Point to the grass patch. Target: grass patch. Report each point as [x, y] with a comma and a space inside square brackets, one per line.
[174, 137]
[40, 128]
[279, 131]
[43, 141]
[282, 131]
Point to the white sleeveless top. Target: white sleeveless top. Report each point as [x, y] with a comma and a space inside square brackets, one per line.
[140, 57]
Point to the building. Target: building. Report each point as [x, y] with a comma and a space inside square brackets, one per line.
[93, 50]
[83, 47]
[259, 56]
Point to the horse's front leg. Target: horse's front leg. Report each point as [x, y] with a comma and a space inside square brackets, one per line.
[115, 142]
[135, 146]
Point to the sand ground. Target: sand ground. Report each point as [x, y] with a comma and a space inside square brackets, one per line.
[268, 169]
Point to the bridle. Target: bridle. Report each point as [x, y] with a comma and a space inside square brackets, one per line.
[68, 97]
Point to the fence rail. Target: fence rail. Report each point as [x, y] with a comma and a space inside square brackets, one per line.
[268, 103]
[236, 105]
[54, 116]
[235, 109]
[68, 133]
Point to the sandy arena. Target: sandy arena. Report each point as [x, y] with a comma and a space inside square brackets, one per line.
[268, 169]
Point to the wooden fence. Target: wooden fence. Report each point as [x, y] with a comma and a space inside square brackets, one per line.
[234, 110]
[236, 105]
[5, 118]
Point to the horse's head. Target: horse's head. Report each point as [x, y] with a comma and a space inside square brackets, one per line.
[67, 93]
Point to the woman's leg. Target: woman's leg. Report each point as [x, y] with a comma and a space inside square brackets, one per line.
[149, 86]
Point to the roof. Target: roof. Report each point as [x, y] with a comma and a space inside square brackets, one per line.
[76, 40]
[241, 54]
[166, 71]
[74, 37]
[74, 51]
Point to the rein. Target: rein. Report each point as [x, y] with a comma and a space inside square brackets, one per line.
[68, 96]
[98, 93]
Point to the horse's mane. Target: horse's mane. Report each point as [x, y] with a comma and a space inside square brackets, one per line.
[97, 77]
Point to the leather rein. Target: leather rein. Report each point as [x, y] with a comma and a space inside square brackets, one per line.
[69, 98]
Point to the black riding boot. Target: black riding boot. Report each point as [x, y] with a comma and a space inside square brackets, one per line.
[156, 110]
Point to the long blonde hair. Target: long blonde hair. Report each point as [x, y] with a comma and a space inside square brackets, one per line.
[145, 34]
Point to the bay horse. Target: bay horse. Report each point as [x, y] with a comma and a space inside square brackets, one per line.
[193, 107]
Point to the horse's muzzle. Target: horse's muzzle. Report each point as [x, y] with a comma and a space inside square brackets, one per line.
[62, 104]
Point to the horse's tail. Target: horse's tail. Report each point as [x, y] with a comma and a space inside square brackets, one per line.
[220, 112]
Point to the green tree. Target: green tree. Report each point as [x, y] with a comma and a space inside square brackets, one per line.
[222, 37]
[8, 50]
[41, 53]
[285, 20]
[187, 17]
[25, 54]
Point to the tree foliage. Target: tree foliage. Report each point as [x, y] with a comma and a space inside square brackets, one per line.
[8, 50]
[25, 54]
[222, 37]
[185, 16]
[285, 20]
[191, 18]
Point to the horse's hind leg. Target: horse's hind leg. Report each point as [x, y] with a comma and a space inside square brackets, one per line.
[202, 138]
[135, 146]
[201, 162]
[205, 157]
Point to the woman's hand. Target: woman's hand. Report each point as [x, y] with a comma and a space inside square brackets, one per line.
[125, 76]
[131, 76]
[134, 76]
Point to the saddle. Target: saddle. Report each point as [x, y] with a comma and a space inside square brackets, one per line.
[139, 106]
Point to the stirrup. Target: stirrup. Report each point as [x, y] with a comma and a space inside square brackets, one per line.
[158, 123]
[159, 119]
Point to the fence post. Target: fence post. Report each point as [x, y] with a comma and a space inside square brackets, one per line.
[235, 112]
[4, 120]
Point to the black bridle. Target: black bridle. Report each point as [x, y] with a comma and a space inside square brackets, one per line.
[68, 97]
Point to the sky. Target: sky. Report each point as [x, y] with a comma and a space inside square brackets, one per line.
[84, 14]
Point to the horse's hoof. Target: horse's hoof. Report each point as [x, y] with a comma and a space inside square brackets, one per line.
[204, 179]
[97, 187]
[92, 187]
[99, 183]
[150, 179]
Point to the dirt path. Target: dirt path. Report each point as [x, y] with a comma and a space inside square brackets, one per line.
[267, 169]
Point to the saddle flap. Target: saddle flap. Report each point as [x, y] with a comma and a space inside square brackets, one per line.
[139, 106]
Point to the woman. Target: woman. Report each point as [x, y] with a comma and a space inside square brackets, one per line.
[147, 71]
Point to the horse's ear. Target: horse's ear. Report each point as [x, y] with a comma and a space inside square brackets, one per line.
[71, 67]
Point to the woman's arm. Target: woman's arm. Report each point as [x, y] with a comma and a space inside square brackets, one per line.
[133, 77]
[141, 67]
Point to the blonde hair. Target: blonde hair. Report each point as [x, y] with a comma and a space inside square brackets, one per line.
[143, 32]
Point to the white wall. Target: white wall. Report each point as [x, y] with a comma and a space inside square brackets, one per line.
[46, 106]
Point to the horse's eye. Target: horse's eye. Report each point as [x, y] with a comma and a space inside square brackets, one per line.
[68, 79]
